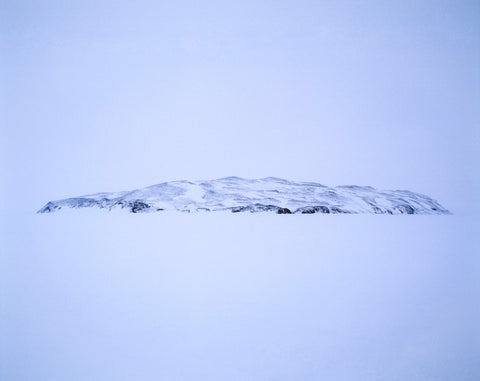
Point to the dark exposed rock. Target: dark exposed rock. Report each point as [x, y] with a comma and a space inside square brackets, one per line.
[261, 208]
[266, 208]
[313, 209]
[48, 208]
[336, 210]
[138, 206]
[238, 209]
[405, 209]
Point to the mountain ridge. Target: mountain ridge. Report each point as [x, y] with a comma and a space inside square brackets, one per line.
[268, 194]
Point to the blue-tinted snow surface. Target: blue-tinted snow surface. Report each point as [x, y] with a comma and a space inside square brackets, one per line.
[170, 296]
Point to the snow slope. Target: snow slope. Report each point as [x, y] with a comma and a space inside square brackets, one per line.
[244, 195]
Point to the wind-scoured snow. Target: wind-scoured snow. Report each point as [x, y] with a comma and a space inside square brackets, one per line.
[271, 194]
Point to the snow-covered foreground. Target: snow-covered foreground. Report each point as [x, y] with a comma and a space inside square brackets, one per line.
[88, 295]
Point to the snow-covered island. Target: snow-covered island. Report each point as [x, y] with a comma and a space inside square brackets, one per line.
[269, 194]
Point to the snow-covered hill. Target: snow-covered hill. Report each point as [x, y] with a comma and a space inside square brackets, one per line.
[270, 194]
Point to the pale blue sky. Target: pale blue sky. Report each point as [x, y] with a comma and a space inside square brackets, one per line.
[106, 96]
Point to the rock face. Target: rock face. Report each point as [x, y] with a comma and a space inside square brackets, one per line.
[269, 194]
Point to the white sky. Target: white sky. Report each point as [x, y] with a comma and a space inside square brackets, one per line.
[120, 95]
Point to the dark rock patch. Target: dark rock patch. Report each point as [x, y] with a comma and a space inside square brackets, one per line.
[405, 209]
[238, 209]
[313, 209]
[138, 206]
[48, 208]
[336, 210]
[261, 208]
